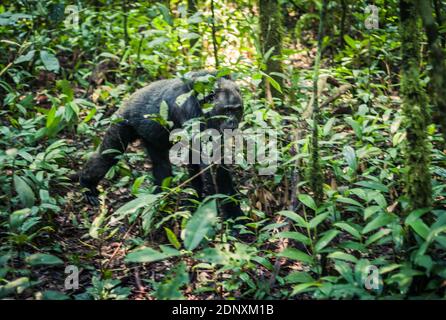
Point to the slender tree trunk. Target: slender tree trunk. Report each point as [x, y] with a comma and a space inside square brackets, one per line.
[126, 31]
[437, 60]
[271, 29]
[192, 9]
[439, 17]
[214, 36]
[416, 115]
[316, 176]
[343, 17]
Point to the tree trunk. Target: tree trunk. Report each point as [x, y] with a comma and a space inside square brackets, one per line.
[271, 29]
[416, 115]
[316, 176]
[437, 61]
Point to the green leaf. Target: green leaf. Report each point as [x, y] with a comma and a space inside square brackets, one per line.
[26, 194]
[164, 110]
[295, 217]
[380, 221]
[326, 239]
[66, 87]
[381, 233]
[342, 256]
[135, 204]
[17, 285]
[49, 61]
[54, 295]
[96, 225]
[273, 82]
[25, 58]
[308, 201]
[351, 42]
[416, 215]
[303, 287]
[348, 201]
[200, 224]
[40, 259]
[297, 236]
[346, 227]
[350, 157]
[146, 254]
[420, 228]
[370, 211]
[356, 126]
[172, 238]
[295, 254]
[298, 277]
[318, 219]
[416, 223]
[373, 185]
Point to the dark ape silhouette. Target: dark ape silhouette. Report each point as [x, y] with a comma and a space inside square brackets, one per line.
[226, 114]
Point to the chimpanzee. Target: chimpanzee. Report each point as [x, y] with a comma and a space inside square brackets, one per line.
[226, 113]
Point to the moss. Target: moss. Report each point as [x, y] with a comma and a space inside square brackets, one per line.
[416, 112]
[437, 61]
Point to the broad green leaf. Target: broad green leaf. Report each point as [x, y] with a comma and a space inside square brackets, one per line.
[308, 201]
[146, 254]
[26, 57]
[370, 211]
[304, 287]
[420, 228]
[380, 221]
[339, 255]
[54, 295]
[348, 201]
[415, 215]
[297, 236]
[372, 185]
[164, 110]
[200, 224]
[135, 204]
[49, 61]
[356, 126]
[26, 194]
[416, 223]
[40, 259]
[350, 157]
[295, 217]
[298, 277]
[96, 225]
[351, 42]
[273, 82]
[16, 285]
[17, 218]
[172, 238]
[295, 254]
[346, 227]
[318, 219]
[378, 235]
[325, 239]
[264, 262]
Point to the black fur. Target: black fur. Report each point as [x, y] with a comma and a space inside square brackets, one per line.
[134, 124]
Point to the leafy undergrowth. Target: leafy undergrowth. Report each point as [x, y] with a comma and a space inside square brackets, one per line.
[362, 241]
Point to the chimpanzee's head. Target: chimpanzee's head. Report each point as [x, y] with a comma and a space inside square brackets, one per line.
[228, 106]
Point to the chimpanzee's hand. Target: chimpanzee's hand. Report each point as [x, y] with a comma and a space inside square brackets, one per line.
[92, 197]
[232, 210]
[91, 194]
